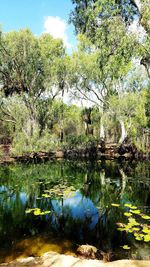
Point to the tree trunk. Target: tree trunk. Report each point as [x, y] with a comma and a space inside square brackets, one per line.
[123, 132]
[124, 181]
[103, 178]
[102, 130]
[62, 118]
[86, 127]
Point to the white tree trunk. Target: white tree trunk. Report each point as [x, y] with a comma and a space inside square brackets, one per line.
[102, 176]
[86, 128]
[138, 4]
[124, 181]
[123, 131]
[102, 130]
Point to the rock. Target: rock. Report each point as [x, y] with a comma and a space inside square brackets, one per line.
[53, 259]
[59, 154]
[87, 251]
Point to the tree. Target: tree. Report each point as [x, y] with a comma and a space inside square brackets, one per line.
[106, 54]
[30, 67]
[89, 17]
[129, 110]
[85, 10]
[95, 69]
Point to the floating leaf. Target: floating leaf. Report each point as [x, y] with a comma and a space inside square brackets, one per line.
[146, 230]
[47, 212]
[136, 234]
[136, 229]
[135, 211]
[126, 247]
[45, 195]
[128, 214]
[133, 207]
[128, 205]
[115, 205]
[121, 229]
[37, 211]
[139, 238]
[146, 217]
[147, 238]
[133, 222]
[29, 211]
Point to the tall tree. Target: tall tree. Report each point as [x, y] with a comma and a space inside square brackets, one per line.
[30, 67]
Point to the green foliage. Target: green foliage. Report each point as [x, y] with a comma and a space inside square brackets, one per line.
[26, 144]
[81, 141]
[87, 13]
[103, 72]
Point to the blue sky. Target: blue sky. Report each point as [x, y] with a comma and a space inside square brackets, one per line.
[40, 16]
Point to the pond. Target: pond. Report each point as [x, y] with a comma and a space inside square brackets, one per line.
[61, 204]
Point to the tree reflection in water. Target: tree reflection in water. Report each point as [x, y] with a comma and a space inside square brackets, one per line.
[87, 216]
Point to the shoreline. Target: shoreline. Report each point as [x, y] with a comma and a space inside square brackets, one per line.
[60, 260]
[103, 151]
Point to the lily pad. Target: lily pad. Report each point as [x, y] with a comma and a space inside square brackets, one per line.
[128, 214]
[115, 205]
[147, 238]
[135, 211]
[128, 205]
[126, 247]
[133, 207]
[146, 217]
[146, 230]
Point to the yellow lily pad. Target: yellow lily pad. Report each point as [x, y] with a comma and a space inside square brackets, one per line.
[115, 205]
[128, 205]
[128, 214]
[135, 211]
[133, 207]
[139, 238]
[146, 217]
[146, 230]
[126, 247]
[45, 195]
[136, 229]
[147, 238]
[121, 229]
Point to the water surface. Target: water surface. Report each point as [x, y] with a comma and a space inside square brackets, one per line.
[79, 199]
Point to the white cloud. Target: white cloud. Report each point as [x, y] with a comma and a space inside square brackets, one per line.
[57, 27]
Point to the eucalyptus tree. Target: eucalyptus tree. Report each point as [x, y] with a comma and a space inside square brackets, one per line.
[30, 67]
[95, 71]
[107, 48]
[130, 109]
[84, 10]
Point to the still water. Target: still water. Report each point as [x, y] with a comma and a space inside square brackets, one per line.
[59, 205]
